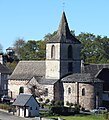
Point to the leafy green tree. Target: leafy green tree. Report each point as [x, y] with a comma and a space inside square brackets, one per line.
[29, 50]
[87, 47]
[18, 47]
[94, 49]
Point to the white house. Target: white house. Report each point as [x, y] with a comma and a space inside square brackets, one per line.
[26, 106]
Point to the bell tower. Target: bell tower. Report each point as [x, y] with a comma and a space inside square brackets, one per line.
[62, 52]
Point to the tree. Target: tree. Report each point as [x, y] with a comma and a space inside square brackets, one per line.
[35, 88]
[87, 47]
[18, 47]
[49, 36]
[29, 50]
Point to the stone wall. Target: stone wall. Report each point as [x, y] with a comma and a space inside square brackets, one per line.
[86, 100]
[53, 64]
[14, 85]
[50, 95]
[72, 98]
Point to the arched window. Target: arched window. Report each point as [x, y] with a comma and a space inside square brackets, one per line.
[53, 51]
[83, 92]
[70, 67]
[70, 52]
[69, 90]
[46, 92]
[21, 90]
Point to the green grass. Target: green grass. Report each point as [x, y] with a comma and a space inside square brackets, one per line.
[87, 117]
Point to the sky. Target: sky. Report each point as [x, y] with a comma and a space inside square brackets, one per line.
[33, 19]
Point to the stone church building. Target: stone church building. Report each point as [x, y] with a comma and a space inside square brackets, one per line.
[62, 74]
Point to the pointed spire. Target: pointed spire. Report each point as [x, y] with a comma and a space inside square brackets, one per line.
[63, 26]
[63, 34]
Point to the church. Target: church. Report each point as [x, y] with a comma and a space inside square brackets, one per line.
[63, 75]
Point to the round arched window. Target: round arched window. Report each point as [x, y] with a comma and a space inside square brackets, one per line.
[69, 90]
[53, 51]
[83, 92]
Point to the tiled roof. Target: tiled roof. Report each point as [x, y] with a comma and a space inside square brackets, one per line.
[4, 69]
[80, 77]
[22, 99]
[63, 35]
[93, 69]
[25, 70]
[44, 81]
[103, 75]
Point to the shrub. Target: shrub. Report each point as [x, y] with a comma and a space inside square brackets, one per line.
[61, 110]
[4, 106]
[47, 101]
[52, 102]
[106, 116]
[59, 103]
[40, 99]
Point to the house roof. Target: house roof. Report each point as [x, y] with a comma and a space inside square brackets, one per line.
[63, 34]
[80, 77]
[103, 74]
[22, 99]
[93, 69]
[45, 81]
[4, 69]
[25, 70]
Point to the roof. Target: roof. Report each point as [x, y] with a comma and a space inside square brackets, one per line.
[80, 77]
[63, 34]
[25, 70]
[22, 99]
[103, 74]
[93, 69]
[4, 69]
[45, 81]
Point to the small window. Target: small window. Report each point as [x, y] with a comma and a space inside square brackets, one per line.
[46, 92]
[69, 90]
[30, 108]
[83, 92]
[53, 51]
[21, 90]
[70, 52]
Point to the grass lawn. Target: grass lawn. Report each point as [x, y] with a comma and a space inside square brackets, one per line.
[87, 117]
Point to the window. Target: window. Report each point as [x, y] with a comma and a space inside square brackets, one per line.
[46, 91]
[70, 51]
[69, 90]
[83, 92]
[70, 69]
[53, 51]
[21, 90]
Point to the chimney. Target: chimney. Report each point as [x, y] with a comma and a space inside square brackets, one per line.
[1, 59]
[82, 66]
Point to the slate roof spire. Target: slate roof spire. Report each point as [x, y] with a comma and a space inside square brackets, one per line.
[63, 26]
[63, 33]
